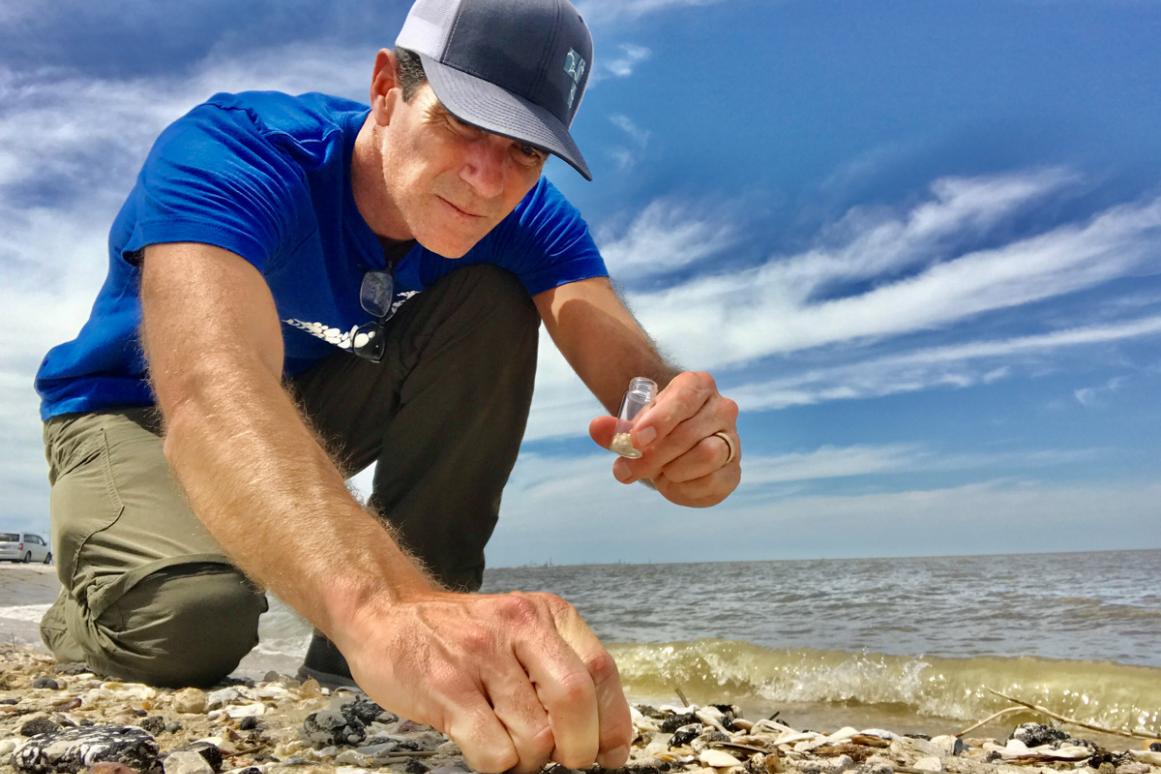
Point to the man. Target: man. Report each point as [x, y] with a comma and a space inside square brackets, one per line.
[262, 335]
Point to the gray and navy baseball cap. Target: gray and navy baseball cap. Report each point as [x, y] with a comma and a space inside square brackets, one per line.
[512, 67]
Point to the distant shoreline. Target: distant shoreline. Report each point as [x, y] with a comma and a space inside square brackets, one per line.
[836, 558]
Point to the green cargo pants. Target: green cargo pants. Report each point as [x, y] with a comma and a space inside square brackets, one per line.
[147, 593]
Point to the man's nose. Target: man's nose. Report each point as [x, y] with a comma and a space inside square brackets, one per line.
[486, 165]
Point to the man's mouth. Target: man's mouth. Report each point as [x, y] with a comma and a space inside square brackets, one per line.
[460, 210]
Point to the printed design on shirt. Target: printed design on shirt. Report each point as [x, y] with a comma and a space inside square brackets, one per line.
[337, 336]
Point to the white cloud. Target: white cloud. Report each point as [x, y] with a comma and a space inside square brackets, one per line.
[639, 136]
[921, 278]
[626, 157]
[788, 303]
[911, 273]
[1092, 397]
[54, 258]
[571, 509]
[667, 235]
[621, 63]
[876, 242]
[622, 157]
[541, 479]
[830, 462]
[606, 12]
[958, 365]
[111, 123]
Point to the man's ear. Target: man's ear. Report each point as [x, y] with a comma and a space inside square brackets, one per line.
[384, 80]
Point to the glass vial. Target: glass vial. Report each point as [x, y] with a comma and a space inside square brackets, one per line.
[640, 396]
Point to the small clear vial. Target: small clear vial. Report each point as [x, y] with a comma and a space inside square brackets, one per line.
[640, 396]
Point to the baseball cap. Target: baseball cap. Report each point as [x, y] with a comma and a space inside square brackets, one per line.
[512, 67]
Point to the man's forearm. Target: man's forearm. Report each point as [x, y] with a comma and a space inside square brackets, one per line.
[601, 339]
[268, 492]
[628, 357]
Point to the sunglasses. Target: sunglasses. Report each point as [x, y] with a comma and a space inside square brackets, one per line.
[375, 295]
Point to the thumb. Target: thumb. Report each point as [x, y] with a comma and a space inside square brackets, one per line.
[602, 430]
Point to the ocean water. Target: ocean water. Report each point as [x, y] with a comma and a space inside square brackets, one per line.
[891, 642]
[911, 644]
[883, 638]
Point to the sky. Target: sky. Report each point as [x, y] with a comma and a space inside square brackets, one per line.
[919, 243]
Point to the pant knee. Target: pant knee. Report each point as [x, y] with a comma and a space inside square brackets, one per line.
[510, 313]
[180, 626]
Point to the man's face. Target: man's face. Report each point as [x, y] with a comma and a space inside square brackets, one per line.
[450, 182]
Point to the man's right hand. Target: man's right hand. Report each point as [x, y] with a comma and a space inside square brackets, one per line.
[516, 680]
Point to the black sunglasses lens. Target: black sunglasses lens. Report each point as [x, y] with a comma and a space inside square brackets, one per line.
[369, 341]
[376, 292]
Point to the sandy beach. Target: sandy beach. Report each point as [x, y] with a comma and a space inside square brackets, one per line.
[56, 718]
[61, 719]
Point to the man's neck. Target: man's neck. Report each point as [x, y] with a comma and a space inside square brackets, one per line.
[371, 198]
[394, 250]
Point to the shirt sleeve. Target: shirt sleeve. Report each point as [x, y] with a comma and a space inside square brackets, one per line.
[213, 177]
[546, 243]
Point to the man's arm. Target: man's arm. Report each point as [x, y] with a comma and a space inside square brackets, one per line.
[514, 679]
[607, 347]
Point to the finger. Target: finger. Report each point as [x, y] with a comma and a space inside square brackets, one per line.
[517, 706]
[615, 722]
[701, 492]
[706, 458]
[480, 735]
[681, 399]
[568, 695]
[602, 430]
[688, 438]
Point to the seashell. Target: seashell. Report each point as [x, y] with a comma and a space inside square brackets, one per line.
[718, 759]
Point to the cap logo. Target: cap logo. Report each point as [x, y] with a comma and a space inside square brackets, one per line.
[574, 66]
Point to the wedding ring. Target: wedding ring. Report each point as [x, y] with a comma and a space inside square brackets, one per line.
[729, 445]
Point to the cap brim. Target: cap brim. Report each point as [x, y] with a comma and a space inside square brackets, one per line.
[486, 105]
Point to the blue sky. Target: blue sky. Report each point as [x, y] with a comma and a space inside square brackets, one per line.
[920, 243]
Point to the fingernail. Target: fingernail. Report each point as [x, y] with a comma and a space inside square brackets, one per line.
[614, 758]
[621, 471]
[645, 437]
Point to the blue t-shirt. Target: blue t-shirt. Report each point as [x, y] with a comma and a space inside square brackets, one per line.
[267, 176]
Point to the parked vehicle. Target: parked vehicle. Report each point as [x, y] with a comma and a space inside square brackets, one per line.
[24, 547]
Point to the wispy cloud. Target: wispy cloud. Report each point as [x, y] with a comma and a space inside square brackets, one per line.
[639, 136]
[568, 509]
[63, 174]
[952, 366]
[543, 479]
[1092, 397]
[626, 157]
[604, 12]
[666, 236]
[622, 62]
[877, 276]
[796, 302]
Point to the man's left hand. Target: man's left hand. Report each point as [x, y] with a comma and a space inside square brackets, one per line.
[681, 454]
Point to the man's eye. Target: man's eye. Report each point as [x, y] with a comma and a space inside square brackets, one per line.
[464, 129]
[529, 153]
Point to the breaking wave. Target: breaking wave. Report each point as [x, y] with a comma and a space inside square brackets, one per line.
[1102, 693]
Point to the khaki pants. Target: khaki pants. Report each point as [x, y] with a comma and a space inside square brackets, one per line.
[147, 593]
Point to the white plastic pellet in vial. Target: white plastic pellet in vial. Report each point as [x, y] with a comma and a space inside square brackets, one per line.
[640, 396]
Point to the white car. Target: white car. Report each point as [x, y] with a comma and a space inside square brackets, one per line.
[24, 547]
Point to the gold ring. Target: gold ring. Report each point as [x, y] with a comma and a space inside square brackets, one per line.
[729, 445]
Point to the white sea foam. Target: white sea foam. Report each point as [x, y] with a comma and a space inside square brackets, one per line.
[28, 613]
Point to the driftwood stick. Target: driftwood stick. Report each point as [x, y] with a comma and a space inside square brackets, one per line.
[1071, 721]
[681, 695]
[990, 718]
